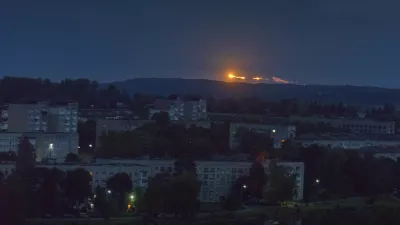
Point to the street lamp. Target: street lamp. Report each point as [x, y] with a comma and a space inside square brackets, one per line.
[109, 191]
[90, 145]
[241, 191]
[132, 197]
[317, 181]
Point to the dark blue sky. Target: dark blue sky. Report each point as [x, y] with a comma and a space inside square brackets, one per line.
[308, 41]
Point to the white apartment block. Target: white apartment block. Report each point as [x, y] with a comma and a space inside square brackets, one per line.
[362, 126]
[180, 110]
[347, 141]
[216, 177]
[366, 126]
[387, 155]
[278, 134]
[63, 118]
[52, 129]
[47, 145]
[40, 117]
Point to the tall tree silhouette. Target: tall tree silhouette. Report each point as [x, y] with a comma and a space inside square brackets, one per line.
[26, 155]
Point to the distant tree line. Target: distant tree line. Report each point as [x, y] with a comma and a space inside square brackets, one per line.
[339, 173]
[165, 139]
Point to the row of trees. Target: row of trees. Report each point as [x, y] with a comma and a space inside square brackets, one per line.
[86, 92]
[339, 173]
[165, 139]
[286, 107]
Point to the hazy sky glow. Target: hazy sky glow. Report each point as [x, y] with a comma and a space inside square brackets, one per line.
[308, 41]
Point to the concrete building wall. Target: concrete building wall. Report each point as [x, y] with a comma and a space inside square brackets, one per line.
[27, 117]
[47, 145]
[347, 143]
[56, 145]
[40, 117]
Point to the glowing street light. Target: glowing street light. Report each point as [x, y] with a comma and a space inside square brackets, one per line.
[273, 131]
[132, 197]
[317, 181]
[90, 145]
[241, 191]
[109, 191]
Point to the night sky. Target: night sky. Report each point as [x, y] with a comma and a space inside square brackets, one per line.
[307, 41]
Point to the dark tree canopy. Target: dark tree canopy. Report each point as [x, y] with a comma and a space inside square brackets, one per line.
[120, 183]
[173, 194]
[72, 157]
[78, 184]
[26, 155]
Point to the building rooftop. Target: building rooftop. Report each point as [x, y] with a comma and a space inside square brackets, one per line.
[348, 136]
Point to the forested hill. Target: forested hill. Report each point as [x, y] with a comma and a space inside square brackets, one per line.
[89, 93]
[219, 89]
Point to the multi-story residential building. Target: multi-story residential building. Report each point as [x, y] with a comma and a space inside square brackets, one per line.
[40, 117]
[195, 110]
[278, 134]
[365, 126]
[117, 114]
[52, 129]
[348, 141]
[180, 110]
[47, 145]
[25, 117]
[63, 118]
[216, 177]
[174, 108]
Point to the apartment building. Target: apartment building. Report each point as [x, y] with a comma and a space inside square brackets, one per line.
[216, 177]
[278, 133]
[47, 145]
[348, 141]
[63, 118]
[25, 117]
[366, 126]
[362, 126]
[40, 117]
[94, 114]
[178, 109]
[52, 129]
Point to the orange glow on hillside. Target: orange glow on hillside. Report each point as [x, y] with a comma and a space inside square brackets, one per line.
[231, 76]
